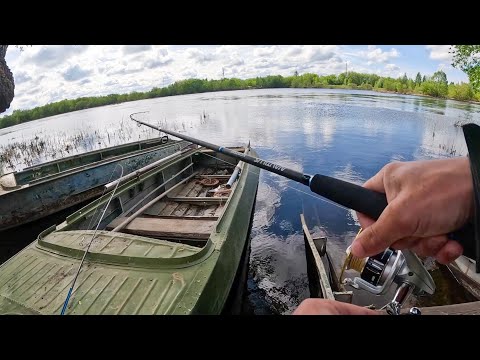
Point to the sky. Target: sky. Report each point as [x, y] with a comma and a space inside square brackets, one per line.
[49, 73]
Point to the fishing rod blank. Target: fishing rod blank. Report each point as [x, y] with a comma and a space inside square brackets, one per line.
[352, 196]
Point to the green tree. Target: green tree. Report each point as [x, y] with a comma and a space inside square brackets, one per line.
[418, 79]
[440, 77]
[467, 59]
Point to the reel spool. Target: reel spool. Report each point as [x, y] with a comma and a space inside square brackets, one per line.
[379, 272]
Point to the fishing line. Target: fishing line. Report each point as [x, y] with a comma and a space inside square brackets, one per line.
[93, 237]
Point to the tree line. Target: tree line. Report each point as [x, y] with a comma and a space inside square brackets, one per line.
[436, 85]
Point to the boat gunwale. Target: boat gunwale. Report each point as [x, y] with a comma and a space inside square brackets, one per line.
[92, 152]
[78, 169]
[220, 224]
[198, 256]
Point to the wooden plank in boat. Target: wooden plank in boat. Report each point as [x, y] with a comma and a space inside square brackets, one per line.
[184, 207]
[169, 208]
[192, 210]
[185, 189]
[181, 209]
[161, 227]
[197, 188]
[204, 192]
[189, 217]
[326, 289]
[201, 200]
[470, 308]
[207, 210]
[155, 209]
[219, 210]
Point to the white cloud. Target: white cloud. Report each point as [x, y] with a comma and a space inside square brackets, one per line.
[320, 52]
[50, 56]
[132, 49]
[189, 73]
[377, 55]
[21, 77]
[443, 66]
[391, 67]
[440, 52]
[294, 51]
[264, 51]
[75, 73]
[50, 73]
[199, 55]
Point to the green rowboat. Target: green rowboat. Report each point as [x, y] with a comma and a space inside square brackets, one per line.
[170, 242]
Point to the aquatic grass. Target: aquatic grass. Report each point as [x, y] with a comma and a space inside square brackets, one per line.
[46, 146]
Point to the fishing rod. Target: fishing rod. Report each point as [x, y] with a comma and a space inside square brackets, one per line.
[368, 202]
[355, 197]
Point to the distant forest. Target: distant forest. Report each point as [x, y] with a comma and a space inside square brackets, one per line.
[436, 85]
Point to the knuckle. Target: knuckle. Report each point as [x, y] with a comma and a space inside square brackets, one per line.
[373, 239]
[391, 167]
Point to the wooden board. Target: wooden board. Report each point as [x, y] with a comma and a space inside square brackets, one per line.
[182, 209]
[171, 228]
[470, 308]
[327, 292]
[199, 200]
[155, 209]
[169, 208]
[185, 189]
[188, 217]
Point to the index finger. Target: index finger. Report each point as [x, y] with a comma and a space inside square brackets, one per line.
[376, 182]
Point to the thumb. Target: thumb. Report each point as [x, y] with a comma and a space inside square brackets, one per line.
[379, 235]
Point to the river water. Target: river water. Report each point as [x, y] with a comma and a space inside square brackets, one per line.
[345, 134]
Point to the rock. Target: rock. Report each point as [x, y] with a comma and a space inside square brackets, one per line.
[7, 85]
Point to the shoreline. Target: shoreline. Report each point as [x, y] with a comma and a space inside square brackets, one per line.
[332, 87]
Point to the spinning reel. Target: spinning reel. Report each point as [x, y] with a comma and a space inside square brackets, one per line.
[379, 272]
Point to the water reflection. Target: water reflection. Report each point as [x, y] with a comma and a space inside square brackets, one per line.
[345, 134]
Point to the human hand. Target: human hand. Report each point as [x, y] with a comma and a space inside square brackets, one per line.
[330, 307]
[426, 201]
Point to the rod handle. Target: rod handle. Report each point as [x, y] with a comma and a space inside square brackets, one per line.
[352, 196]
[372, 204]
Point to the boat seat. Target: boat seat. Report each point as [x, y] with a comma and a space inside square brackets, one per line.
[199, 229]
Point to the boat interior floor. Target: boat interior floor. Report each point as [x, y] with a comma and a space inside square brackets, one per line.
[187, 214]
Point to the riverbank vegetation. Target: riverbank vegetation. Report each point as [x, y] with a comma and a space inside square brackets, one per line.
[436, 85]
[49, 144]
